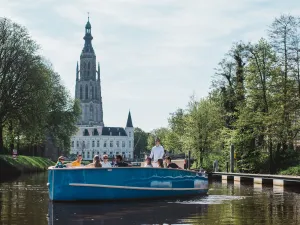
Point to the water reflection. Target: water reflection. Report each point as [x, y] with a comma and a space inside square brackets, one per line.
[25, 201]
[157, 212]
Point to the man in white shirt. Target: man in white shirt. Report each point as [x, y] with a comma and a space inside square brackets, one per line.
[157, 152]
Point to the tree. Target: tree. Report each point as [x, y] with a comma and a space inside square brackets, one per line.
[140, 141]
[203, 122]
[18, 64]
[33, 103]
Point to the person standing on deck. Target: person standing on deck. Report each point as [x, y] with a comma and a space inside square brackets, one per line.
[157, 152]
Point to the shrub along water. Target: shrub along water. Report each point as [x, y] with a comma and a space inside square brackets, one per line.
[10, 167]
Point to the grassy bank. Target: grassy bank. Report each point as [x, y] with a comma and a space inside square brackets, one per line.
[294, 171]
[10, 167]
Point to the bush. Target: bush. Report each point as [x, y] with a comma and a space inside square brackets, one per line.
[295, 171]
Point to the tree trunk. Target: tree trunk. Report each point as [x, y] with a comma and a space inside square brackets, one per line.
[271, 157]
[1, 139]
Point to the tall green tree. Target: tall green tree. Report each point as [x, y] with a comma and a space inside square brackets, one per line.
[34, 104]
[140, 141]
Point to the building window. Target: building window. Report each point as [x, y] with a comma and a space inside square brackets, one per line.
[98, 144]
[77, 144]
[88, 155]
[123, 144]
[93, 143]
[105, 144]
[86, 92]
[89, 65]
[129, 134]
[86, 132]
[83, 155]
[118, 144]
[104, 153]
[129, 144]
[93, 92]
[81, 92]
[97, 153]
[72, 143]
[91, 112]
[111, 144]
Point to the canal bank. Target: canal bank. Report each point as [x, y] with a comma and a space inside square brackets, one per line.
[10, 168]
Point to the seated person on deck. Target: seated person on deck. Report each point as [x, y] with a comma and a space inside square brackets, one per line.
[96, 162]
[120, 163]
[60, 162]
[105, 162]
[170, 164]
[77, 162]
[160, 163]
[148, 162]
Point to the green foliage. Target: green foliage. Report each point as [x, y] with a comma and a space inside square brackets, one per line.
[25, 163]
[254, 105]
[34, 105]
[294, 171]
[140, 141]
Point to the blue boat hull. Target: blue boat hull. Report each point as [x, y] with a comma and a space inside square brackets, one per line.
[83, 184]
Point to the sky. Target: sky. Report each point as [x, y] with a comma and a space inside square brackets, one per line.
[154, 54]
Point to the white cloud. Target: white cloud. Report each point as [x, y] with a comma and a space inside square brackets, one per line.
[153, 54]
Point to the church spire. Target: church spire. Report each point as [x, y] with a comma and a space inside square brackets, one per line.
[77, 72]
[88, 48]
[129, 120]
[98, 72]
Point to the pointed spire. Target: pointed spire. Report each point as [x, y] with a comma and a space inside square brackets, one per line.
[88, 38]
[98, 71]
[129, 120]
[77, 72]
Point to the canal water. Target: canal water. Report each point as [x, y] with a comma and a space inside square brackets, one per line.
[25, 201]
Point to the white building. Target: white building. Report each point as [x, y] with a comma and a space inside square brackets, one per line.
[93, 137]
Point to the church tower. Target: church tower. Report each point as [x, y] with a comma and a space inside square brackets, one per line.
[88, 86]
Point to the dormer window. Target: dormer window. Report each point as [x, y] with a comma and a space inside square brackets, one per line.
[95, 132]
[86, 132]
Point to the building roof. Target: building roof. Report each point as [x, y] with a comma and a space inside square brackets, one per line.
[113, 131]
[129, 121]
